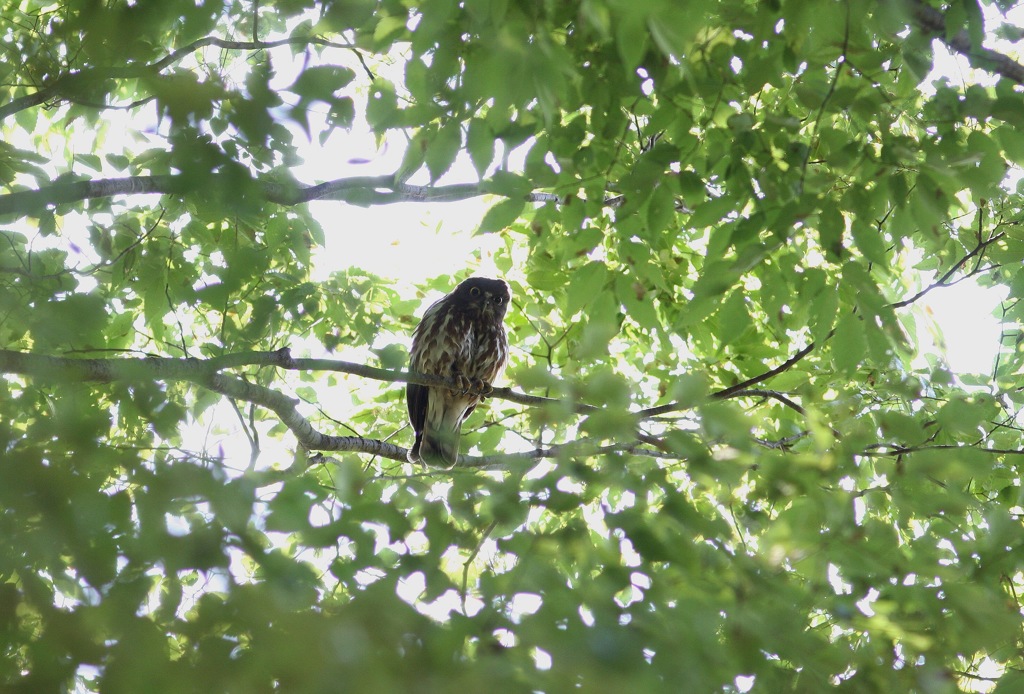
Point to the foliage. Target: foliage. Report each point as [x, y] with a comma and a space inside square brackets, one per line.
[718, 220]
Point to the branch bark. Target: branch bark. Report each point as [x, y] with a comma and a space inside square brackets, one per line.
[207, 373]
[933, 22]
[357, 190]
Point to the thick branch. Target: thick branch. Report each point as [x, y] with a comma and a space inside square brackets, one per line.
[207, 373]
[932, 21]
[427, 380]
[33, 202]
[63, 369]
[357, 190]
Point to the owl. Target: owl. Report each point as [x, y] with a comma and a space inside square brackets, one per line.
[460, 337]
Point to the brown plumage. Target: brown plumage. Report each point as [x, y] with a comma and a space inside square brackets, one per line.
[460, 337]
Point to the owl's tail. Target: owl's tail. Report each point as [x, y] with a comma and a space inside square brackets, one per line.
[438, 443]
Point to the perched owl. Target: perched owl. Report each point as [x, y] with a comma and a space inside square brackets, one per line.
[460, 337]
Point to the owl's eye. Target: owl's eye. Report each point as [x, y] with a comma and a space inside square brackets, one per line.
[475, 291]
[499, 299]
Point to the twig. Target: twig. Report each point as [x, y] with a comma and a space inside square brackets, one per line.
[469, 560]
[66, 82]
[944, 280]
[897, 450]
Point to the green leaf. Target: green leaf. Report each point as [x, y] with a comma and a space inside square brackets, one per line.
[500, 216]
[849, 345]
[963, 417]
[831, 228]
[824, 308]
[586, 283]
[712, 211]
[321, 82]
[661, 209]
[382, 106]
[508, 184]
[76, 320]
[480, 145]
[601, 326]
[118, 161]
[441, 150]
[415, 155]
[733, 317]
[631, 39]
[870, 242]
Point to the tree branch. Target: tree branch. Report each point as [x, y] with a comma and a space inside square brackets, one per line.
[583, 447]
[57, 89]
[357, 190]
[897, 450]
[377, 374]
[933, 22]
[106, 370]
[944, 280]
[207, 374]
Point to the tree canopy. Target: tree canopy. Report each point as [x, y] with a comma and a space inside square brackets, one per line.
[726, 456]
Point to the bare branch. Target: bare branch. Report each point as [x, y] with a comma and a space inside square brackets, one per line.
[107, 370]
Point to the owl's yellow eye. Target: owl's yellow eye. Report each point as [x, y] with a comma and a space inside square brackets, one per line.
[475, 291]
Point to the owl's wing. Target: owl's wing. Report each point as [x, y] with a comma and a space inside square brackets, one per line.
[416, 399]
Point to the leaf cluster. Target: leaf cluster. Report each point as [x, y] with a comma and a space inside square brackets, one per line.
[719, 222]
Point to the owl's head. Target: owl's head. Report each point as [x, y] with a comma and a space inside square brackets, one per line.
[488, 296]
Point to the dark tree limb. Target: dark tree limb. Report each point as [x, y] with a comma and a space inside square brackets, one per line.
[357, 190]
[933, 22]
[208, 373]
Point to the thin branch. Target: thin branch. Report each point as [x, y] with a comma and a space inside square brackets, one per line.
[469, 561]
[894, 449]
[570, 449]
[106, 370]
[745, 387]
[837, 73]
[378, 374]
[783, 444]
[66, 83]
[773, 394]
[944, 280]
[732, 390]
